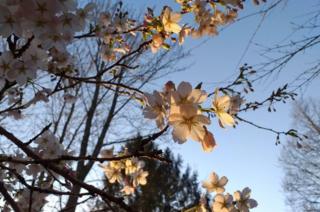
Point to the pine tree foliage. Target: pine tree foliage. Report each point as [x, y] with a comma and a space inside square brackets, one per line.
[170, 187]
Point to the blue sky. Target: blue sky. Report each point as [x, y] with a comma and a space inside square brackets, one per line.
[246, 155]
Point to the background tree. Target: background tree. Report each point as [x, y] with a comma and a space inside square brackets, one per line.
[300, 159]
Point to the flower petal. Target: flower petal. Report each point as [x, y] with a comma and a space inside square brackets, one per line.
[201, 119]
[219, 198]
[226, 119]
[219, 190]
[180, 133]
[246, 193]
[223, 181]
[173, 27]
[237, 195]
[223, 102]
[208, 142]
[214, 177]
[184, 89]
[175, 118]
[252, 203]
[197, 132]
[175, 17]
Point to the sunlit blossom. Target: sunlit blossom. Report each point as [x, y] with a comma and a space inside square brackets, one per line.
[215, 184]
[188, 123]
[113, 174]
[223, 203]
[186, 95]
[128, 189]
[244, 202]
[140, 178]
[157, 41]
[170, 21]
[220, 106]
[155, 108]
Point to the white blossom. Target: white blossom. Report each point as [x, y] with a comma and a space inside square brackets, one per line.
[139, 177]
[223, 203]
[188, 123]
[155, 108]
[215, 184]
[243, 200]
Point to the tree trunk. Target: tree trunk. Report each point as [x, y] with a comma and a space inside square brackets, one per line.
[73, 200]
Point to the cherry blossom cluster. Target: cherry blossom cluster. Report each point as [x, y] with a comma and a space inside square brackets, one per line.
[31, 170]
[208, 16]
[112, 30]
[49, 147]
[164, 28]
[46, 146]
[182, 109]
[40, 32]
[127, 172]
[240, 201]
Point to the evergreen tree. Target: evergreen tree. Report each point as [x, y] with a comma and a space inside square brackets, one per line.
[169, 187]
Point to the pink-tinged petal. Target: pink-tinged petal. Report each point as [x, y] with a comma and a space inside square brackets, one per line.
[150, 99]
[235, 102]
[175, 17]
[218, 207]
[223, 102]
[220, 190]
[166, 16]
[158, 98]
[160, 122]
[197, 96]
[206, 184]
[175, 118]
[223, 181]
[175, 109]
[237, 195]
[149, 113]
[208, 142]
[219, 198]
[197, 133]
[184, 89]
[175, 98]
[214, 178]
[180, 133]
[188, 111]
[169, 86]
[202, 119]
